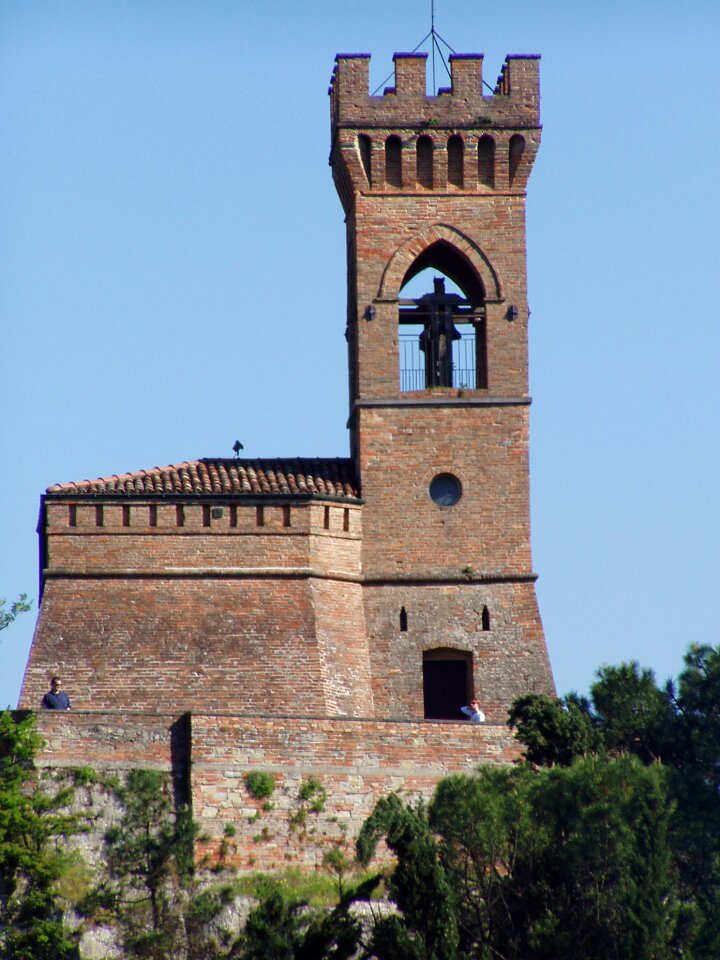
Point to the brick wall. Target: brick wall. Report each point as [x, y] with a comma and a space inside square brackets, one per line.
[389, 232]
[508, 659]
[194, 618]
[353, 762]
[405, 532]
[115, 740]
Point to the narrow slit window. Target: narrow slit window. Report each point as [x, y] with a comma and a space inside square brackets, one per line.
[180, 515]
[326, 518]
[403, 620]
[424, 156]
[486, 161]
[517, 148]
[152, 515]
[72, 515]
[286, 516]
[126, 515]
[393, 161]
[233, 516]
[206, 515]
[346, 519]
[260, 516]
[99, 519]
[456, 161]
[365, 147]
[485, 619]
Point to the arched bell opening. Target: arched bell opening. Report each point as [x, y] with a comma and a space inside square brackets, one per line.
[442, 336]
[447, 683]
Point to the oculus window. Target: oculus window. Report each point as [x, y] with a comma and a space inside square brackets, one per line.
[445, 490]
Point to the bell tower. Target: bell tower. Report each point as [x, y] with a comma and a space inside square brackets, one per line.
[439, 403]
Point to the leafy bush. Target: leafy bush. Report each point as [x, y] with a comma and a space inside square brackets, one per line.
[313, 792]
[259, 784]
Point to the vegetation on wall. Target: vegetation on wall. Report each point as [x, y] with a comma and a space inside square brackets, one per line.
[259, 783]
[148, 857]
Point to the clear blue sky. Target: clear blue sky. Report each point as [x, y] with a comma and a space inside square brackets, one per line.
[172, 275]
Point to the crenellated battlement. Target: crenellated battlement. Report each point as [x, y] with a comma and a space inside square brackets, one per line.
[459, 141]
[515, 101]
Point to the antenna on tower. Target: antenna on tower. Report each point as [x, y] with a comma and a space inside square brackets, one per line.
[435, 41]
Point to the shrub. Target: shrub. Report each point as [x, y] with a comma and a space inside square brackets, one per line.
[259, 784]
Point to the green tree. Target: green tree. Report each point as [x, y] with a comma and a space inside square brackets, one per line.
[149, 856]
[633, 715]
[21, 605]
[33, 822]
[282, 927]
[527, 864]
[696, 784]
[273, 929]
[485, 825]
[554, 731]
[606, 874]
[628, 714]
[418, 885]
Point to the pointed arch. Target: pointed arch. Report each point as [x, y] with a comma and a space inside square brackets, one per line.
[438, 235]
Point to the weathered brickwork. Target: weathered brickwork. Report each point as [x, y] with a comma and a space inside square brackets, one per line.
[114, 740]
[206, 610]
[207, 618]
[508, 658]
[354, 762]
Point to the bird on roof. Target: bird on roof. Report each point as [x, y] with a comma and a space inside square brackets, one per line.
[237, 447]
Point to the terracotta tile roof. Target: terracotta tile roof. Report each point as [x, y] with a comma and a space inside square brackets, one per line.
[316, 476]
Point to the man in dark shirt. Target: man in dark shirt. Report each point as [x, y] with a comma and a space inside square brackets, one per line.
[55, 698]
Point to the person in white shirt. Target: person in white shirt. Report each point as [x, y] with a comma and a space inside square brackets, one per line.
[473, 712]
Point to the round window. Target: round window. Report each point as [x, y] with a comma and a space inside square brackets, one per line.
[445, 490]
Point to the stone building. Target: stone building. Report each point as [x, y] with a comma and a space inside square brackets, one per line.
[313, 614]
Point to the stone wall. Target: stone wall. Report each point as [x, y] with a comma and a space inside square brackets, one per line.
[328, 772]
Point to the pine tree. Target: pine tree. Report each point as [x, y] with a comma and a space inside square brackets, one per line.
[33, 821]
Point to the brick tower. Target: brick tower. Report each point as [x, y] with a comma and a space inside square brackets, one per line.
[439, 384]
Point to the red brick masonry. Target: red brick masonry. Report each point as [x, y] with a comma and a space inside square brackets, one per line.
[354, 761]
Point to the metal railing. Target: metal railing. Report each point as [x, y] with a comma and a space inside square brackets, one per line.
[412, 361]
